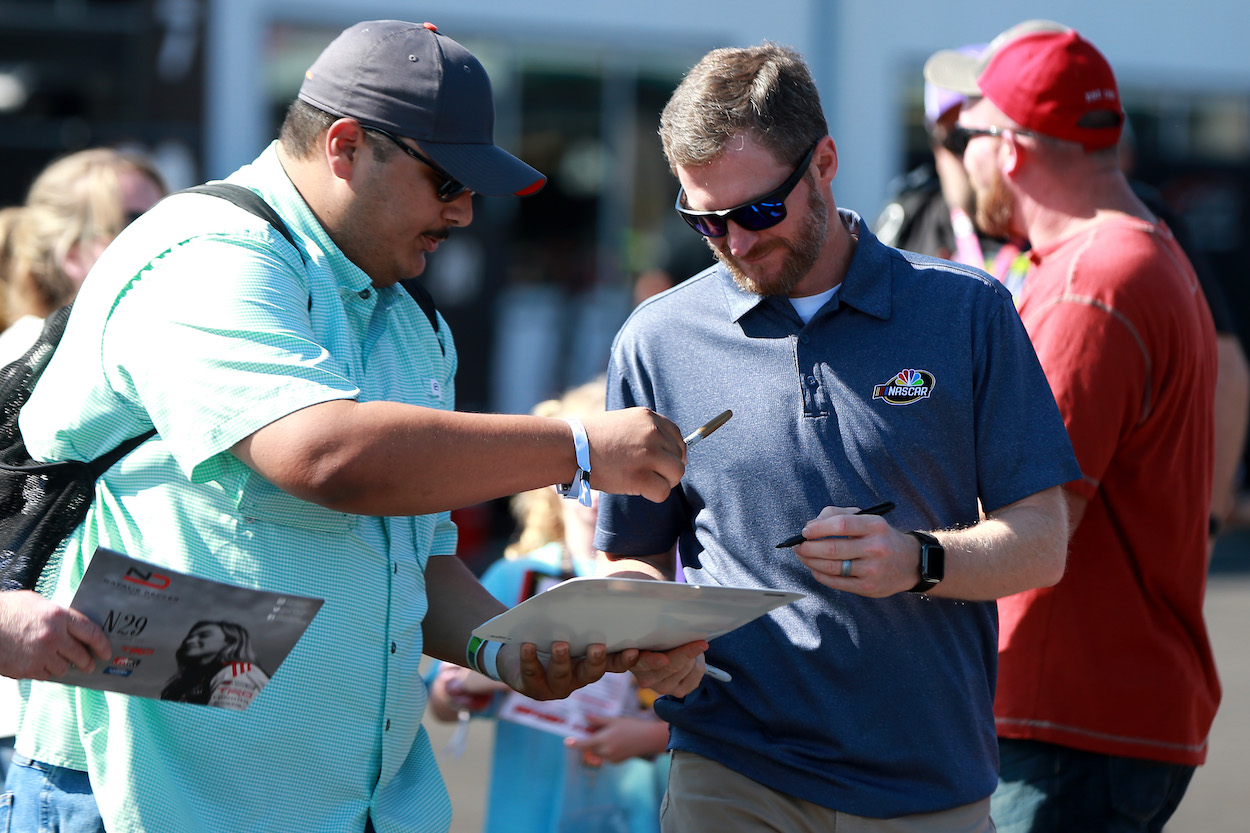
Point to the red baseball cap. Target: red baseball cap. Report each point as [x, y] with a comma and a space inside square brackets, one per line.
[1043, 76]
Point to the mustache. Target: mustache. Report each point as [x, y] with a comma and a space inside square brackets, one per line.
[755, 252]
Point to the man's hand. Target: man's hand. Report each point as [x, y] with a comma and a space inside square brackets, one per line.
[40, 640]
[677, 672]
[559, 675]
[882, 561]
[615, 740]
[635, 452]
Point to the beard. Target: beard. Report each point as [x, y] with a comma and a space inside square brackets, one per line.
[994, 208]
[804, 251]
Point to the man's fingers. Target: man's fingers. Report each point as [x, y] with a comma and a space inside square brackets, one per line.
[635, 451]
[76, 654]
[53, 667]
[89, 634]
[622, 661]
[593, 666]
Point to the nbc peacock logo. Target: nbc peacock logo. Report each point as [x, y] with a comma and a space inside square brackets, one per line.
[908, 386]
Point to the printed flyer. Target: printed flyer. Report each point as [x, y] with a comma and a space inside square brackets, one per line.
[604, 698]
[182, 638]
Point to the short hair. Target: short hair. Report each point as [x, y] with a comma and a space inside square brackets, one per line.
[304, 124]
[764, 91]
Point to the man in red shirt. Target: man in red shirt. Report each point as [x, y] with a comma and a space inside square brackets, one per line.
[1107, 686]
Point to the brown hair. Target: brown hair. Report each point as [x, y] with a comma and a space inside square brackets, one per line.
[304, 124]
[763, 91]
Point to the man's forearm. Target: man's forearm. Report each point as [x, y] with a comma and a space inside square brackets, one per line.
[1019, 547]
[1232, 411]
[658, 567]
[458, 603]
[387, 458]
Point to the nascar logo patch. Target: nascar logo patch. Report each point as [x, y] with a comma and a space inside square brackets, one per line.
[908, 386]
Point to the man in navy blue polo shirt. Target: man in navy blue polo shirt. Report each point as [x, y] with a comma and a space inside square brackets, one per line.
[857, 374]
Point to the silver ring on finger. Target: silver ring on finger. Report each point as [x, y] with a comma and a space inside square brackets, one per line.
[846, 568]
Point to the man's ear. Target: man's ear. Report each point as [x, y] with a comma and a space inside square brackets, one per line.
[826, 159]
[343, 144]
[1011, 156]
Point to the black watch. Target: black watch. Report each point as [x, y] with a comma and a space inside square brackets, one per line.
[932, 562]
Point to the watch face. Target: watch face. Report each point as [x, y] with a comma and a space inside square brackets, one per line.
[932, 563]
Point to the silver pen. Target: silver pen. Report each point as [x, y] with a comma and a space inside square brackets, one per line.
[707, 428]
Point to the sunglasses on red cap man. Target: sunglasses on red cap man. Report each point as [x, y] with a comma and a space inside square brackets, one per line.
[1045, 77]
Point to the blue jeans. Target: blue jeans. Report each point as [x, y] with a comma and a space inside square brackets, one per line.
[6, 754]
[1045, 788]
[40, 798]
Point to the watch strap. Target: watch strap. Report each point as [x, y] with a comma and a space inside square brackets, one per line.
[932, 570]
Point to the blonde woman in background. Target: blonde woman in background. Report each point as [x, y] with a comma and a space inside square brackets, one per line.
[73, 210]
[611, 782]
[9, 217]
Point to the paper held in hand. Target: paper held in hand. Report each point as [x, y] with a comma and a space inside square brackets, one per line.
[630, 613]
[570, 717]
[184, 638]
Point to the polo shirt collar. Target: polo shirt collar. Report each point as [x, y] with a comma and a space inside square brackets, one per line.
[290, 204]
[866, 286]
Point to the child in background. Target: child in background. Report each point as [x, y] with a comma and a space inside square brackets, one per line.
[612, 781]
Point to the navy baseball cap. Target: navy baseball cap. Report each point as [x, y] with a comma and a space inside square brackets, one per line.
[411, 80]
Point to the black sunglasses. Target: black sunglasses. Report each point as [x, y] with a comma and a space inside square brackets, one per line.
[756, 215]
[450, 189]
[957, 137]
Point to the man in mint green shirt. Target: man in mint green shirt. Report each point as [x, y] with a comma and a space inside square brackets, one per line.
[307, 444]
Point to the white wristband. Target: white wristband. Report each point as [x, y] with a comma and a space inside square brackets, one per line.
[580, 487]
[487, 659]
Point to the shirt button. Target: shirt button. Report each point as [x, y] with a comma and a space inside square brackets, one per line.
[395, 569]
[811, 380]
[388, 724]
[364, 294]
[393, 648]
[805, 338]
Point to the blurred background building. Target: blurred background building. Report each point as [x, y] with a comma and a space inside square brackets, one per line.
[535, 290]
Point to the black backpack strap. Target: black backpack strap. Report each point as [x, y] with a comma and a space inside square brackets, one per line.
[250, 201]
[424, 300]
[104, 462]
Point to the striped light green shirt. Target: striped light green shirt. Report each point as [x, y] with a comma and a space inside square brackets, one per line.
[203, 321]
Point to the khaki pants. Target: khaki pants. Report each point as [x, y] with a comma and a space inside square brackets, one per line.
[705, 797]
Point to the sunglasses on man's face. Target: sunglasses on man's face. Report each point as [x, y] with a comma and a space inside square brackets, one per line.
[957, 136]
[449, 189]
[758, 214]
